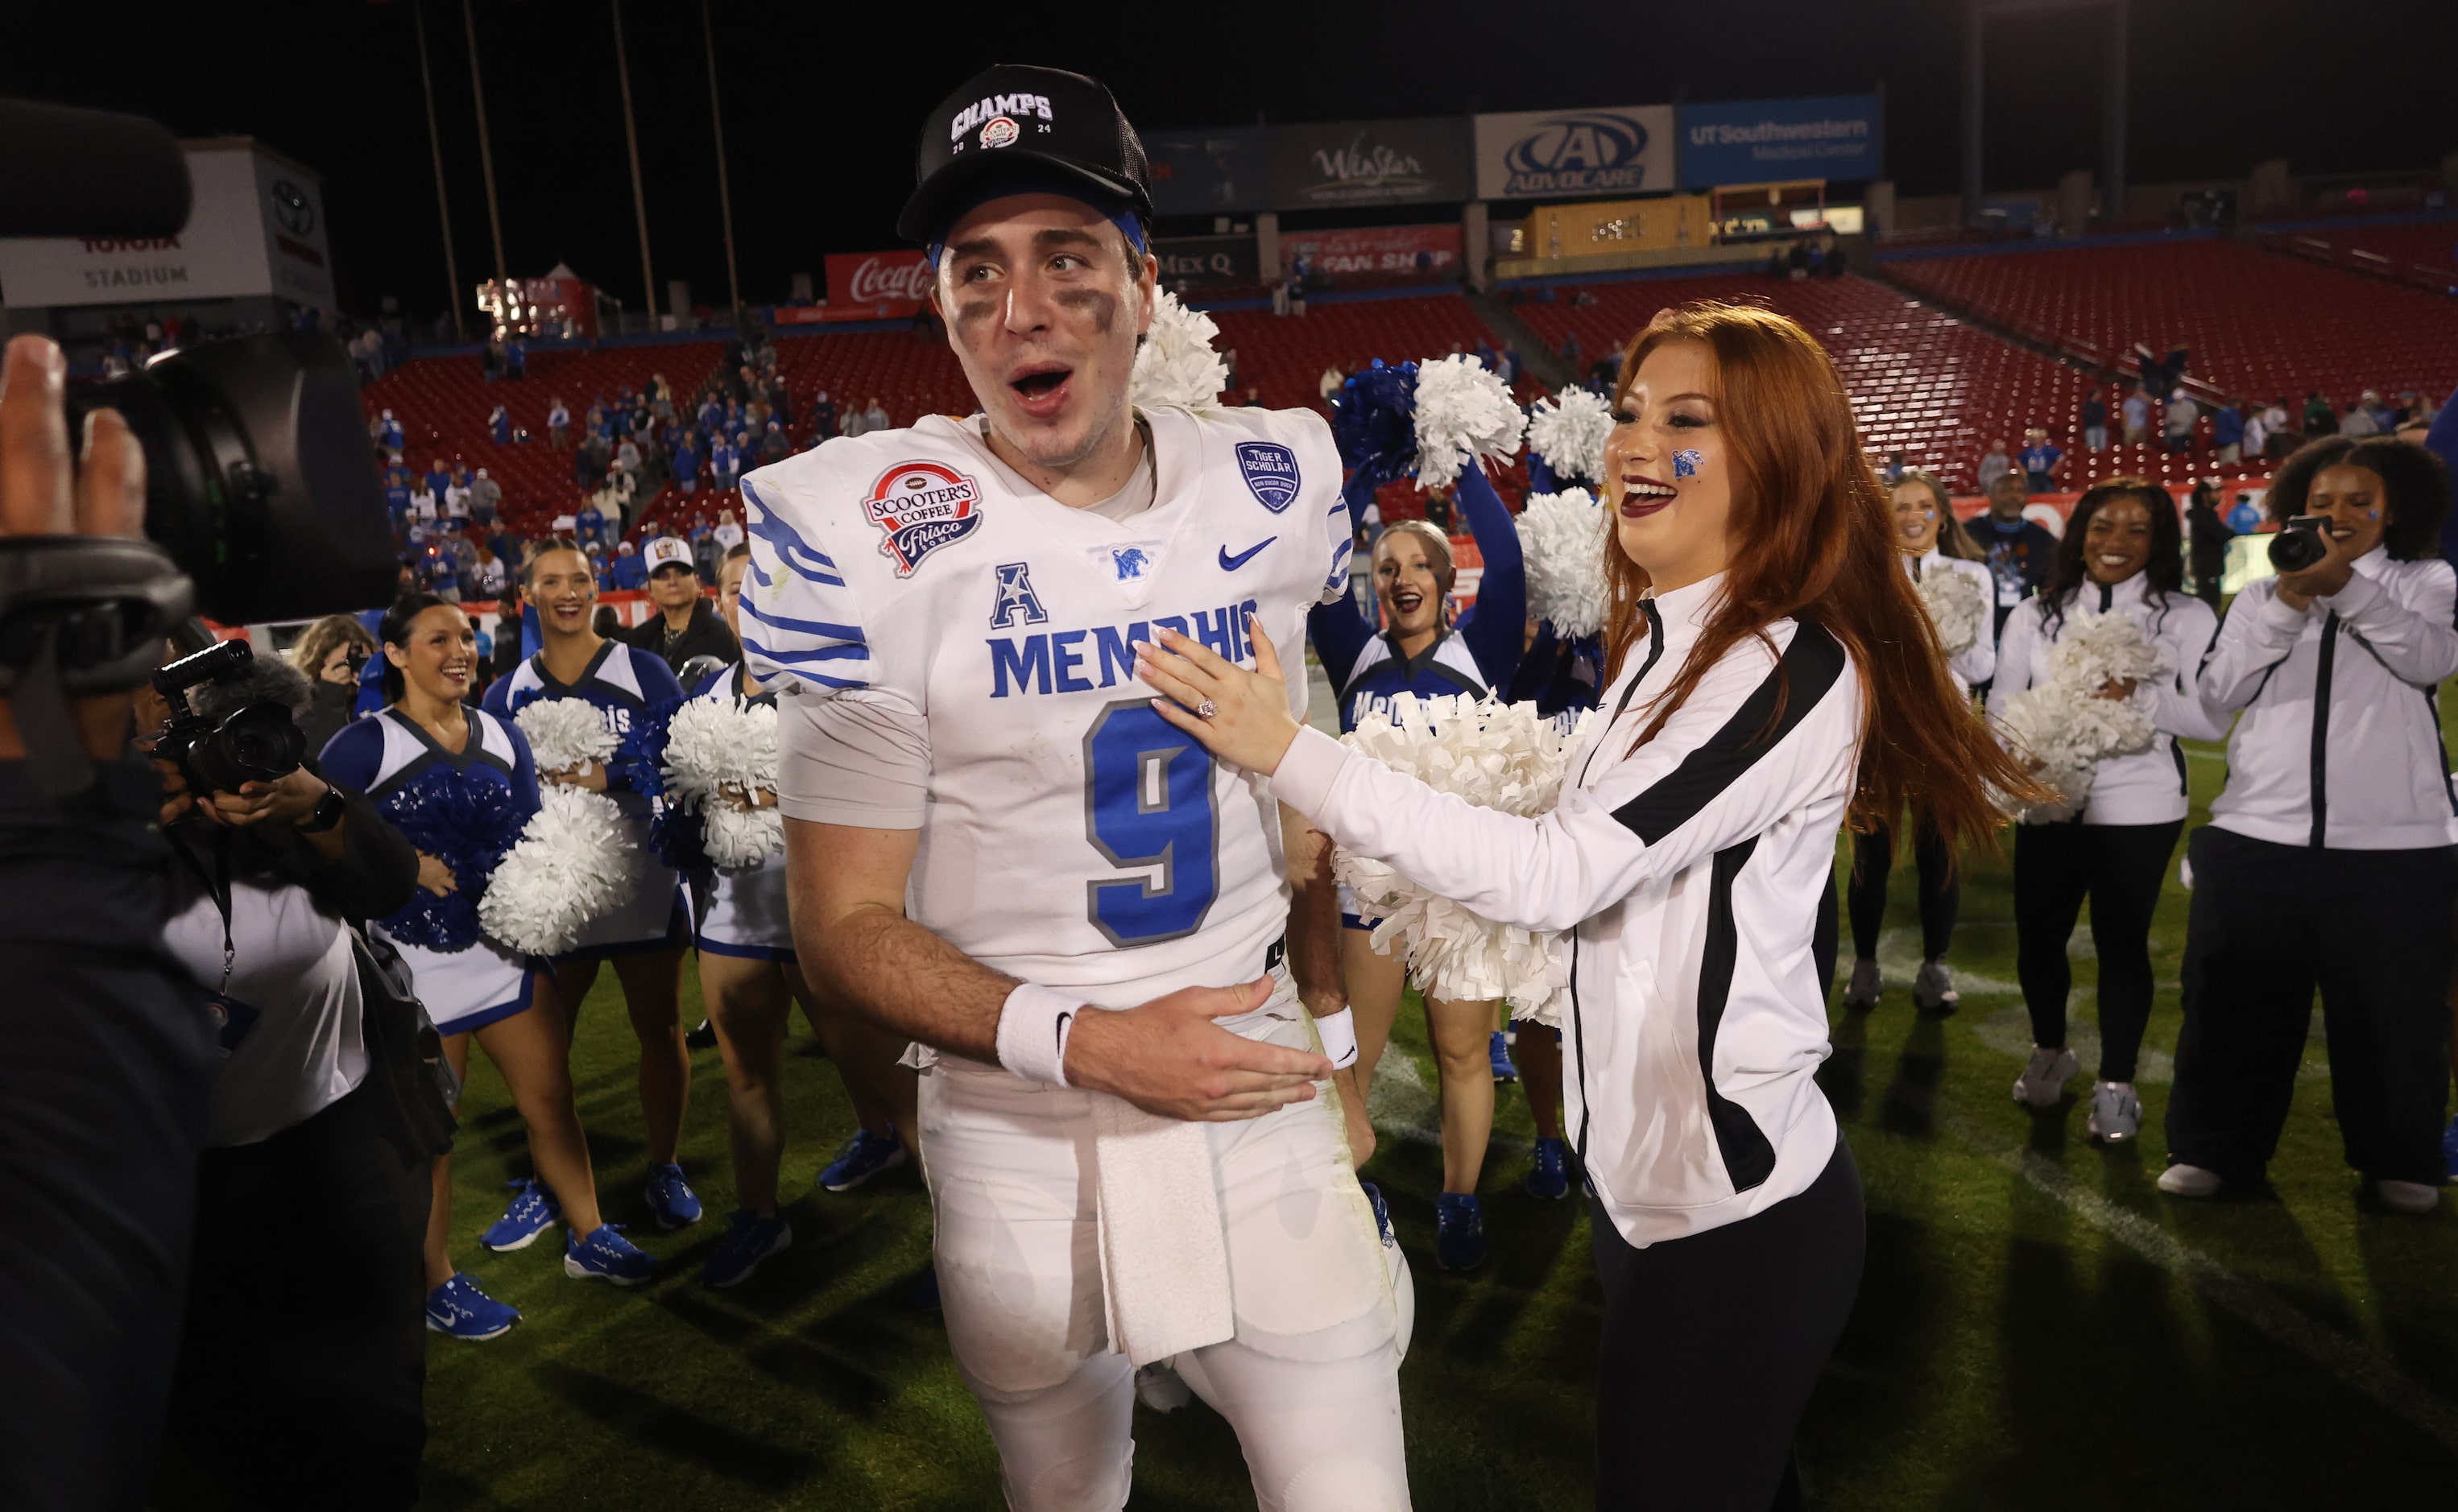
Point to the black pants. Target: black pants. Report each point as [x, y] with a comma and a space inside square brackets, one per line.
[2269, 923]
[1712, 1344]
[2121, 867]
[305, 1356]
[1941, 894]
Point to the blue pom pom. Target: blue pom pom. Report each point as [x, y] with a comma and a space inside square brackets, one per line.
[1374, 420]
[466, 821]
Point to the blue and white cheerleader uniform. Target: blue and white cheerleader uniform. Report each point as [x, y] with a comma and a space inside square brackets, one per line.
[744, 911]
[466, 809]
[634, 691]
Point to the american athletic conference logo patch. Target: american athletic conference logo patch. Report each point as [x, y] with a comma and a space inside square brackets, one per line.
[1271, 472]
[921, 505]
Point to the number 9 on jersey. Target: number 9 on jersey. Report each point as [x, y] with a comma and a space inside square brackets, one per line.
[1148, 802]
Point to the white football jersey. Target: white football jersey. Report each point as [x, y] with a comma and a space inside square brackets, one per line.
[1073, 836]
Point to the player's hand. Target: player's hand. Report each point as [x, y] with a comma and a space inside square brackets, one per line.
[1249, 725]
[1168, 1057]
[48, 489]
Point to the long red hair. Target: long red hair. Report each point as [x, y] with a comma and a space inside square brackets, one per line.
[1812, 534]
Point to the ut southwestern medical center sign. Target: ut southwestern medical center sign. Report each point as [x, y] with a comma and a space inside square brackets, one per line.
[1755, 141]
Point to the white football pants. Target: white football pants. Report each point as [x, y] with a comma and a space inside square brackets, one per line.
[1310, 1382]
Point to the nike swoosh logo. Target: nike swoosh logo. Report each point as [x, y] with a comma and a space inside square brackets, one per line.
[1231, 564]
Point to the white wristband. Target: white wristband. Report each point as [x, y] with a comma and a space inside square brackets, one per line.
[1033, 1029]
[1339, 1034]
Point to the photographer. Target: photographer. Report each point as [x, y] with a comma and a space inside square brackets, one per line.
[2327, 861]
[103, 1087]
[285, 1398]
[333, 652]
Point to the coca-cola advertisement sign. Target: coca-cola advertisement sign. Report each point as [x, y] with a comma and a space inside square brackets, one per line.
[881, 285]
[1372, 254]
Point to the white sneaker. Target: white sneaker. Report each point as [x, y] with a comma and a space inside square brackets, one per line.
[2115, 1113]
[2043, 1082]
[1933, 989]
[1863, 993]
[2406, 1197]
[2188, 1181]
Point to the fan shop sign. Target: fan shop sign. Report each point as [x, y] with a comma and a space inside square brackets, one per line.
[1604, 154]
[1419, 160]
[1432, 253]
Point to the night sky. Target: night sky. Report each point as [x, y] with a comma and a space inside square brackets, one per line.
[822, 103]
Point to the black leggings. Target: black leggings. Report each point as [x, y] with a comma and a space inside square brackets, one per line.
[1711, 1345]
[1941, 895]
[2120, 866]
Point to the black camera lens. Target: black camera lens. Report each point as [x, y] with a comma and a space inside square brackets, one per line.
[260, 743]
[2297, 545]
[258, 477]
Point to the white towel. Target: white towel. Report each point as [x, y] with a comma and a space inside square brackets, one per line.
[1164, 1259]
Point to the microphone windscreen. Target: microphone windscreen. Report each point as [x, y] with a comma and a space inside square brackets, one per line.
[66, 171]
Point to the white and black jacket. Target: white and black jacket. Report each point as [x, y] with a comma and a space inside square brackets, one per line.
[1977, 662]
[2148, 787]
[2339, 746]
[1696, 873]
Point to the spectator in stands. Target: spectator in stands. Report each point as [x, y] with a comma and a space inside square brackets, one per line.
[456, 494]
[1332, 378]
[2094, 422]
[486, 573]
[2206, 542]
[590, 459]
[588, 524]
[2359, 421]
[2041, 461]
[629, 571]
[2277, 439]
[2136, 410]
[2227, 432]
[438, 477]
[2181, 416]
[1994, 466]
[874, 417]
[604, 621]
[1893, 471]
[516, 360]
[388, 433]
[705, 556]
[711, 414]
[728, 534]
[773, 445]
[2319, 419]
[627, 457]
[725, 462]
[422, 506]
[614, 501]
[2019, 551]
[485, 498]
[490, 360]
[1797, 263]
[823, 416]
[396, 496]
[686, 462]
[558, 424]
[662, 397]
[1570, 356]
[2256, 442]
[499, 425]
[1252, 401]
[686, 624]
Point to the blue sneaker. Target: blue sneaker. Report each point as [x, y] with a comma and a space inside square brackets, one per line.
[1550, 1178]
[459, 1308]
[671, 1199]
[1382, 1211]
[1500, 1048]
[1459, 1232]
[862, 1157]
[533, 1211]
[2450, 1149]
[749, 1239]
[606, 1255]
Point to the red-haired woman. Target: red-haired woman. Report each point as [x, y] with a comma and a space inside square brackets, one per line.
[1773, 674]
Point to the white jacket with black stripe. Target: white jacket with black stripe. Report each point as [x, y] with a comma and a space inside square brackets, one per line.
[1696, 875]
[2340, 745]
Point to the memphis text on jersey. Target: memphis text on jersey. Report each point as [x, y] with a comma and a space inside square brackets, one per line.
[1103, 656]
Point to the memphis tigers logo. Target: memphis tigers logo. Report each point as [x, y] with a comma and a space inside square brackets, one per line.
[1271, 472]
[922, 507]
[1130, 561]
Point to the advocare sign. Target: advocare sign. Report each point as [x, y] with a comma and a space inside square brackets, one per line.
[1608, 154]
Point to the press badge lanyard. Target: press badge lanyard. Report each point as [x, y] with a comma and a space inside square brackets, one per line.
[218, 884]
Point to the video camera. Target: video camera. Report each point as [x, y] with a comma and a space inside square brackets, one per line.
[261, 492]
[257, 742]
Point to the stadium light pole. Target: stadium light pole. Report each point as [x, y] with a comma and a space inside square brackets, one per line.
[632, 140]
[435, 145]
[725, 197]
[487, 161]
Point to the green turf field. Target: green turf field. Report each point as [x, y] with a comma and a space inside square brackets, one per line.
[2038, 1327]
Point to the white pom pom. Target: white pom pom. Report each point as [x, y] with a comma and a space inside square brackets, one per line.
[1568, 431]
[1957, 605]
[1176, 365]
[565, 734]
[1562, 543]
[1497, 755]
[1464, 409]
[574, 862]
[717, 748]
[2065, 727]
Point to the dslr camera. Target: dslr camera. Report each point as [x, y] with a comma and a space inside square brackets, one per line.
[2297, 545]
[257, 742]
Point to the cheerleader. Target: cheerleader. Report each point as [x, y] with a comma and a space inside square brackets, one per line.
[460, 783]
[1422, 650]
[1929, 540]
[2123, 553]
[2328, 859]
[747, 974]
[633, 690]
[1771, 675]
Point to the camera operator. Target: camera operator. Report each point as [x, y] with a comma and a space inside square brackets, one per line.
[296, 1384]
[103, 1085]
[334, 654]
[2328, 859]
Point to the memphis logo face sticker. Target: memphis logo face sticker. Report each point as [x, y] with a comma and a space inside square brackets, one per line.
[922, 507]
[1271, 472]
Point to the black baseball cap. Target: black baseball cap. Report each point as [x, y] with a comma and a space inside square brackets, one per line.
[1036, 128]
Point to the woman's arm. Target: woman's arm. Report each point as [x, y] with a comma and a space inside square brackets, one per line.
[2260, 632]
[1496, 628]
[2015, 653]
[2187, 630]
[1535, 673]
[2413, 639]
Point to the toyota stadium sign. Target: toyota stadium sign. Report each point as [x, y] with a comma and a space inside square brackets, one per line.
[1575, 155]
